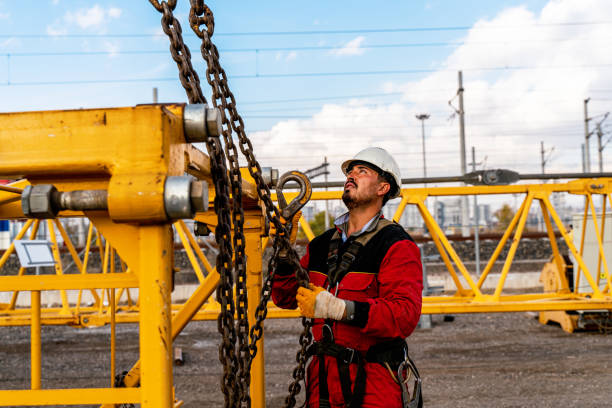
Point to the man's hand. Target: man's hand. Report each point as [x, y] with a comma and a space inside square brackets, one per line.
[316, 302]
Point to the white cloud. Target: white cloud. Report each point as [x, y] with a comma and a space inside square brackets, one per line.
[55, 2]
[111, 47]
[10, 42]
[4, 16]
[114, 12]
[93, 18]
[508, 112]
[352, 47]
[54, 30]
[285, 56]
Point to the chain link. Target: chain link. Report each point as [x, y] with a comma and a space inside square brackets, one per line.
[236, 392]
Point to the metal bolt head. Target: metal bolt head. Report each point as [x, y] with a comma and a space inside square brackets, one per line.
[40, 201]
[176, 197]
[214, 124]
[198, 196]
[201, 122]
[270, 176]
[200, 229]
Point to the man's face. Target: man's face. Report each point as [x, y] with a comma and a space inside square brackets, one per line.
[362, 186]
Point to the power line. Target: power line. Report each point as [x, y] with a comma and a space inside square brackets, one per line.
[313, 74]
[317, 32]
[292, 48]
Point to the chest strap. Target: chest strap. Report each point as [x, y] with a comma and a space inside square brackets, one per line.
[337, 269]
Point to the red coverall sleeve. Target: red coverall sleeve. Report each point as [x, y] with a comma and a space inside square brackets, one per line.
[396, 312]
[285, 286]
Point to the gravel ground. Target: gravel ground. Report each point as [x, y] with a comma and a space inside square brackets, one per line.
[483, 360]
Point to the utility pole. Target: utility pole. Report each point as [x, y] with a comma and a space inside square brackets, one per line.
[476, 220]
[155, 95]
[583, 160]
[325, 163]
[587, 135]
[600, 147]
[423, 117]
[465, 231]
[545, 156]
[542, 156]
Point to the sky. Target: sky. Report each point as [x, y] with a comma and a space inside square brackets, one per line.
[326, 79]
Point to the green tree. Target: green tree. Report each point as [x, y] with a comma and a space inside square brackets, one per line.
[504, 216]
[318, 223]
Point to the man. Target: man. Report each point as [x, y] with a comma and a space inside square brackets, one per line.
[365, 293]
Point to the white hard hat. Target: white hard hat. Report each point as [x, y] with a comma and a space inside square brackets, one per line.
[381, 159]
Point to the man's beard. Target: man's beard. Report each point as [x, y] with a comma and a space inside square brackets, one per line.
[352, 202]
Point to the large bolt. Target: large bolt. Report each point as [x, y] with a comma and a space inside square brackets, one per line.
[184, 196]
[40, 201]
[44, 201]
[270, 176]
[198, 196]
[201, 122]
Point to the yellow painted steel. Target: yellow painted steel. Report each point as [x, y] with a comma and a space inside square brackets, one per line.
[73, 396]
[155, 314]
[130, 152]
[35, 342]
[254, 254]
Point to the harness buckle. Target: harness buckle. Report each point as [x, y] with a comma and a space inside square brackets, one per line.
[351, 354]
[328, 334]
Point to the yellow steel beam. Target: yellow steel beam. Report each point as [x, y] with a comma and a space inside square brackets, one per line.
[155, 315]
[602, 254]
[65, 282]
[73, 396]
[35, 342]
[515, 241]
[596, 292]
[501, 244]
[254, 254]
[562, 278]
[435, 229]
[601, 237]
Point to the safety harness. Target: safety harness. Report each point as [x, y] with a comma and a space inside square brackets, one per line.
[390, 354]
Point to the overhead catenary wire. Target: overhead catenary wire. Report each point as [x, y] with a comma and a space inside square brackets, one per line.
[294, 48]
[310, 74]
[319, 32]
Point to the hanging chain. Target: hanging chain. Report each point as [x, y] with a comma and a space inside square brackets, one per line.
[225, 323]
[236, 391]
[219, 101]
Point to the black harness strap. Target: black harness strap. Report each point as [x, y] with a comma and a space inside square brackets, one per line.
[336, 270]
[353, 396]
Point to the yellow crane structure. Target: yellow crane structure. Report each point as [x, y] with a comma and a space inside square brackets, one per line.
[124, 169]
[131, 156]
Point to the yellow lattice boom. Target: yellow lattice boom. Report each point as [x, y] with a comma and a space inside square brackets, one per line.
[129, 154]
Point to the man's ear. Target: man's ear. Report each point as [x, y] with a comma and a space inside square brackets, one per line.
[383, 189]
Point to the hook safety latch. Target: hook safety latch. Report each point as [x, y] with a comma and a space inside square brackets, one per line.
[289, 210]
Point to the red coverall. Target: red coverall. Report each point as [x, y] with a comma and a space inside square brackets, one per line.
[393, 293]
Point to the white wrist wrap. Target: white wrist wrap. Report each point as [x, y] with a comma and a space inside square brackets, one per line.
[327, 306]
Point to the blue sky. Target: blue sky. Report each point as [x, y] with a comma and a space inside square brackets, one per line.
[527, 67]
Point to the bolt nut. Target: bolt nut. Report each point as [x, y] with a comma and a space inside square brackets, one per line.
[198, 196]
[270, 176]
[177, 200]
[213, 122]
[40, 201]
[201, 122]
[200, 229]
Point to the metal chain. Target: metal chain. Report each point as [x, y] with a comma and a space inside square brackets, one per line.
[236, 392]
[225, 323]
[202, 23]
[242, 332]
